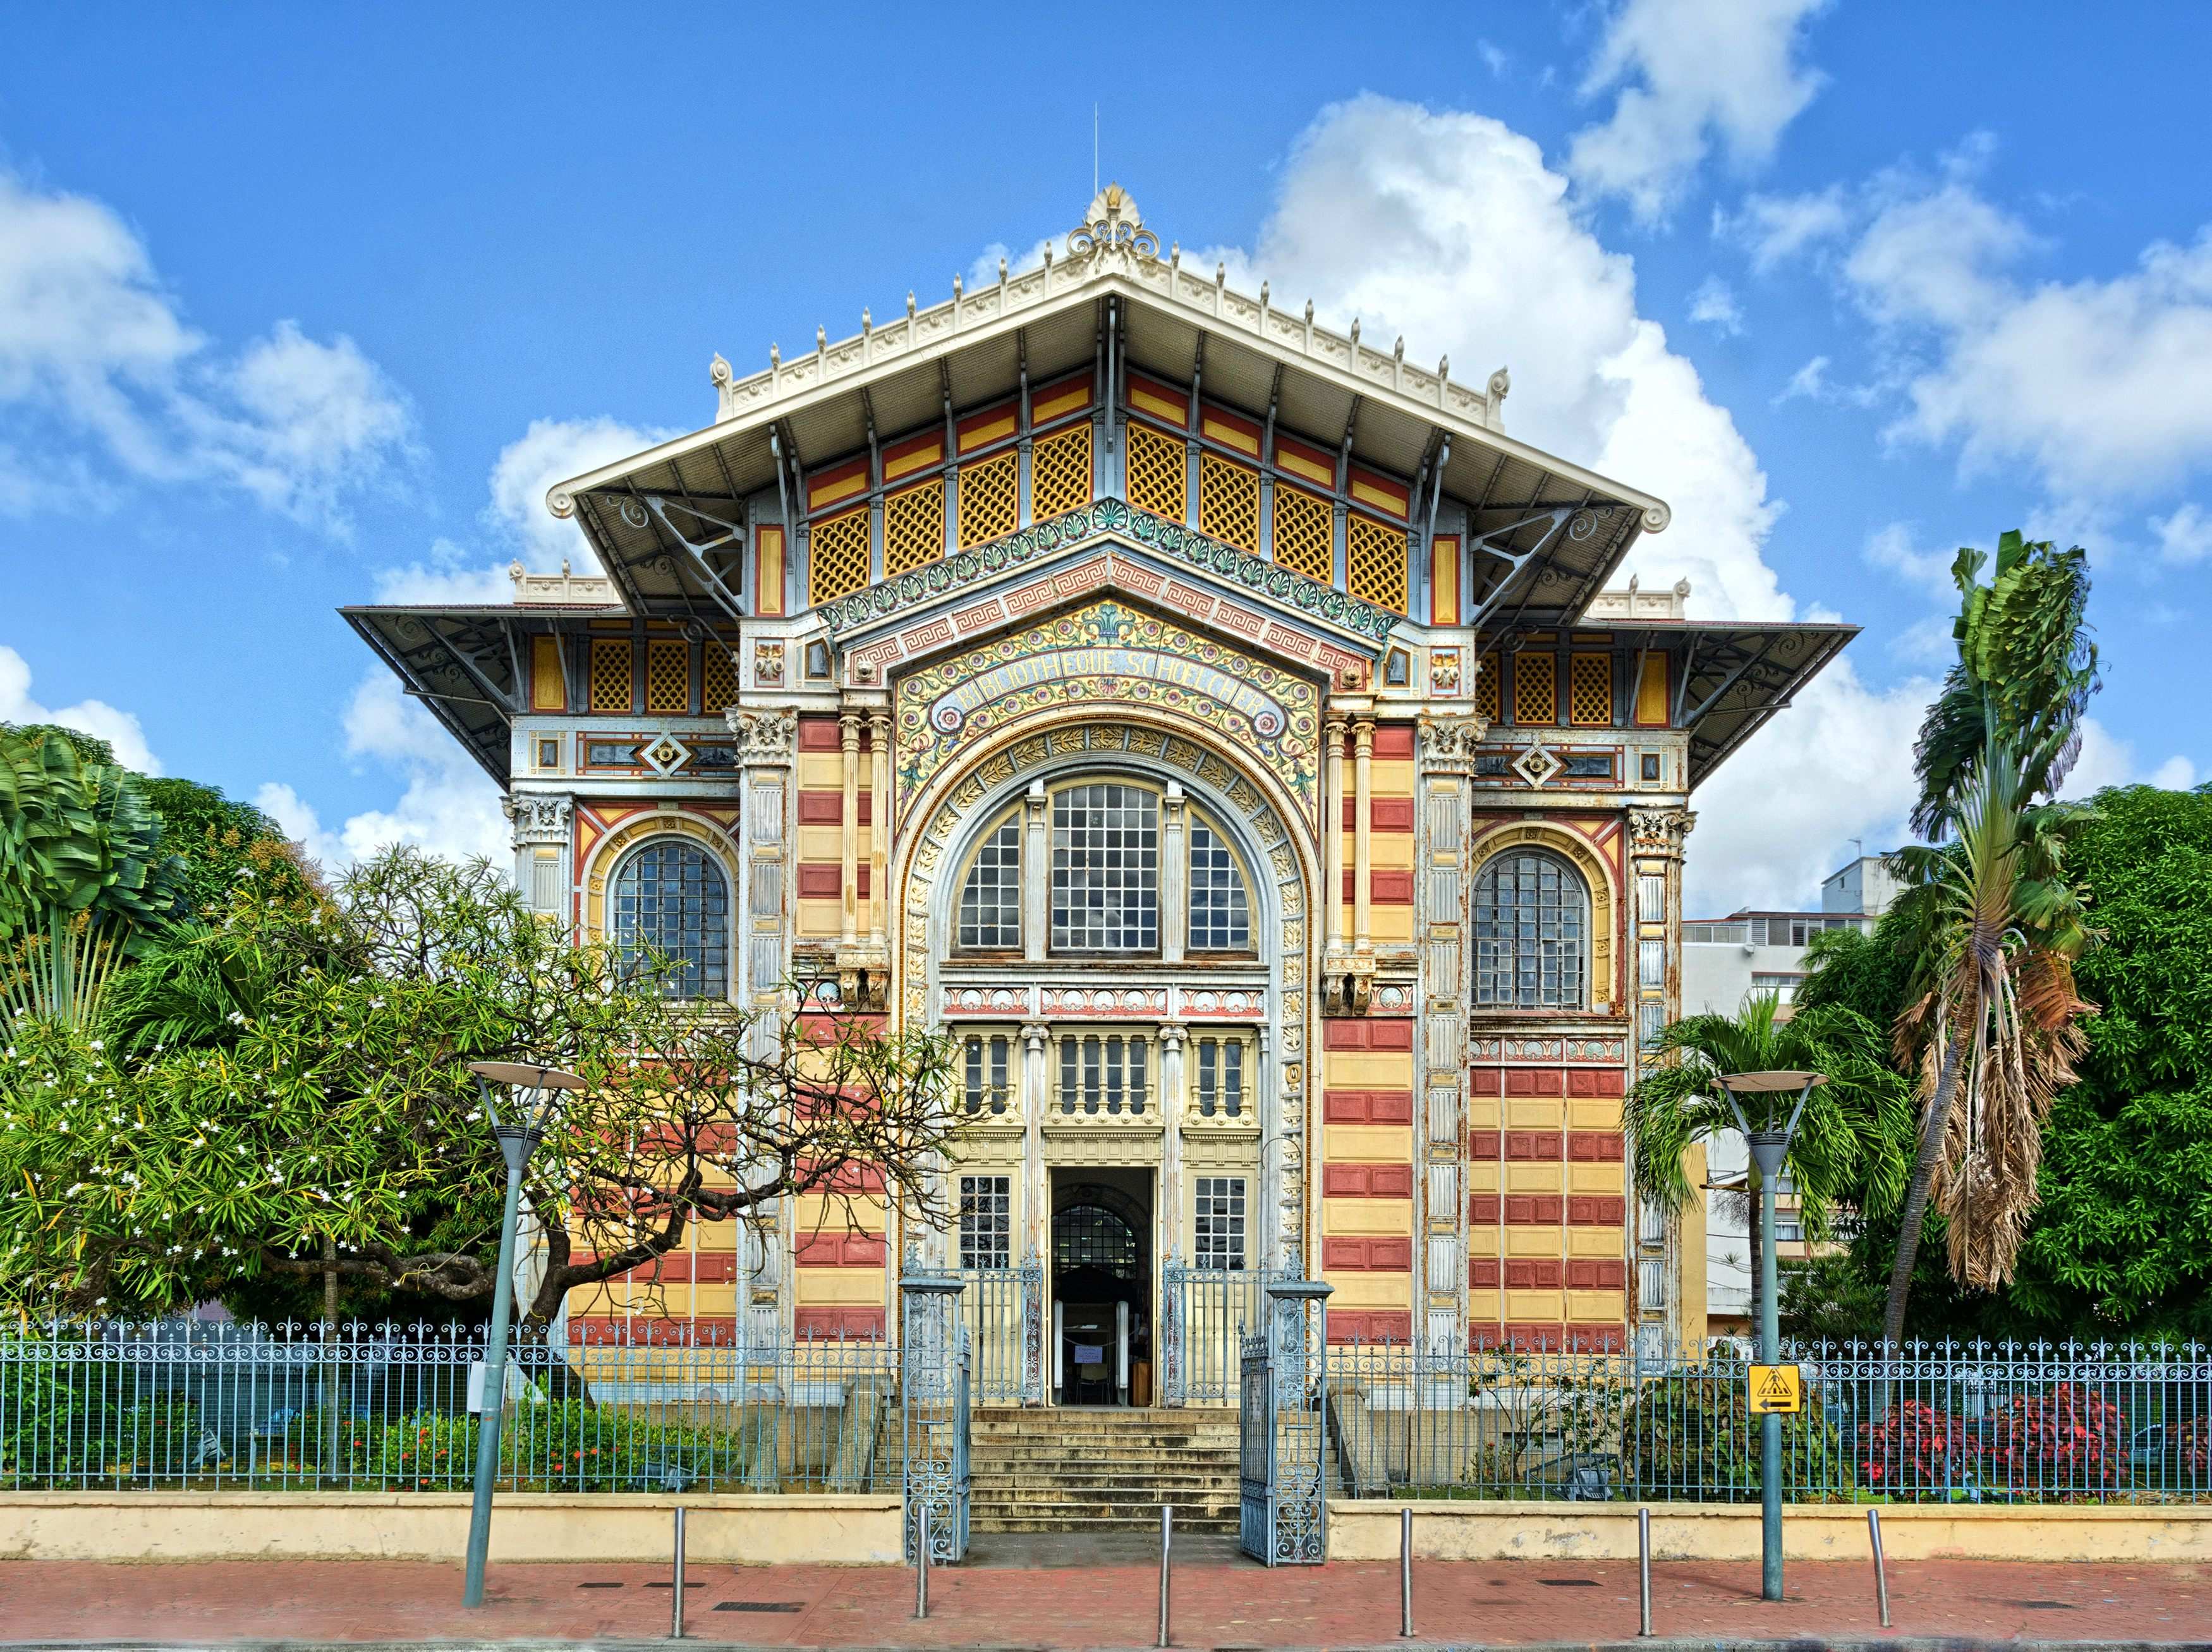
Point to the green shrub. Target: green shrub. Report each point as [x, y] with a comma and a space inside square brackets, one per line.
[1692, 1434]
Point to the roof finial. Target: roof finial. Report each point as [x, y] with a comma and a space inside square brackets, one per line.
[1113, 224]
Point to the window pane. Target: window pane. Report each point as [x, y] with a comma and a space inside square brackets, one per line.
[1220, 1222]
[1219, 920]
[986, 1222]
[1531, 919]
[1105, 869]
[670, 897]
[991, 899]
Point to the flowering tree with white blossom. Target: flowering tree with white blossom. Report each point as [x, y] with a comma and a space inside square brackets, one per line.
[285, 1094]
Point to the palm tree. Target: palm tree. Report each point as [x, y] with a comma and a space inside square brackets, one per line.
[1996, 927]
[1847, 1145]
[83, 879]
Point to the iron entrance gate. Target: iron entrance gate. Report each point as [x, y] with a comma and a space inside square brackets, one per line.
[1003, 1310]
[933, 1424]
[1204, 1315]
[1282, 1433]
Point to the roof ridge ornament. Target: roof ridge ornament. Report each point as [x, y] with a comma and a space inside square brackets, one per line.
[1112, 223]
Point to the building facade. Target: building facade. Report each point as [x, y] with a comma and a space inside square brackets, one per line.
[1220, 725]
[1724, 962]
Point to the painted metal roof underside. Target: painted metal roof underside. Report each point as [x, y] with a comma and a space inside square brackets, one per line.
[464, 664]
[1734, 675]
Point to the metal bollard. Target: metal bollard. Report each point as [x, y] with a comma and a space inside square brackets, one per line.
[922, 1562]
[675, 1611]
[1644, 1566]
[1404, 1573]
[1880, 1573]
[1167, 1543]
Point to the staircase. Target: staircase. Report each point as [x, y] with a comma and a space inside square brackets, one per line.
[1069, 1470]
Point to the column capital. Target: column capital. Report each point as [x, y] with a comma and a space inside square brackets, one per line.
[849, 730]
[1036, 1034]
[1172, 1034]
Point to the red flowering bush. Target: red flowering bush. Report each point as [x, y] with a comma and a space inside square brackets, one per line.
[2192, 1443]
[2070, 1436]
[1913, 1447]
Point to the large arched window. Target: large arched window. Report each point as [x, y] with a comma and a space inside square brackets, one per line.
[1105, 868]
[991, 899]
[1531, 934]
[1220, 918]
[671, 897]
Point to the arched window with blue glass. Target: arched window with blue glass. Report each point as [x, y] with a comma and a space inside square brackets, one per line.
[671, 899]
[1531, 934]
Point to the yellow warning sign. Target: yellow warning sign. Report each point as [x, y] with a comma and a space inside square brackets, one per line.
[1775, 1388]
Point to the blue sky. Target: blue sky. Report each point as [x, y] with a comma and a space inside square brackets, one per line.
[305, 306]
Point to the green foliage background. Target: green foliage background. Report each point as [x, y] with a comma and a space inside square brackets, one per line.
[2121, 1245]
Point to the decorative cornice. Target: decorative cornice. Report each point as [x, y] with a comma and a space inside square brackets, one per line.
[1224, 563]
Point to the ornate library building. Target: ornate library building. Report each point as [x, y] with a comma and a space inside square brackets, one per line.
[1221, 726]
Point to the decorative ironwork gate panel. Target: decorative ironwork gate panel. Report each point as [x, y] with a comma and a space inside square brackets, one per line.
[1282, 1436]
[1204, 1315]
[1003, 1309]
[933, 1355]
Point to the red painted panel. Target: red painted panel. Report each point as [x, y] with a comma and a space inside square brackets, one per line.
[1598, 1273]
[1367, 1256]
[1386, 887]
[1594, 1081]
[1482, 1208]
[1357, 1033]
[817, 734]
[1533, 1081]
[819, 806]
[1344, 1180]
[1535, 1146]
[1393, 739]
[1483, 1144]
[1384, 814]
[1482, 1272]
[706, 1331]
[866, 1324]
[1533, 1274]
[1375, 1325]
[1597, 1211]
[1595, 1146]
[1532, 1210]
[1391, 1181]
[1368, 1106]
[824, 880]
[1487, 1081]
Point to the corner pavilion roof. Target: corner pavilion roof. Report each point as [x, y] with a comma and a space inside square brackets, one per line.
[660, 520]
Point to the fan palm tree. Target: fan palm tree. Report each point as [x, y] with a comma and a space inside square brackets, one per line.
[1992, 1011]
[83, 879]
[1847, 1148]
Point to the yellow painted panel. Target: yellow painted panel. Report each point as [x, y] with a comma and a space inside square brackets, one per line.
[1369, 1143]
[712, 1299]
[1392, 851]
[1368, 1069]
[1482, 1175]
[1541, 1305]
[817, 1213]
[1587, 1305]
[1532, 1179]
[833, 1285]
[547, 691]
[1651, 690]
[822, 771]
[1603, 1114]
[1148, 400]
[821, 917]
[1054, 403]
[1392, 923]
[1532, 1242]
[1597, 1178]
[1367, 1215]
[1485, 1305]
[1364, 1290]
[819, 842]
[915, 458]
[1594, 1242]
[1482, 1113]
[1391, 777]
[1542, 1113]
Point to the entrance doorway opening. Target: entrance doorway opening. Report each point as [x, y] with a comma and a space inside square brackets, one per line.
[1101, 1287]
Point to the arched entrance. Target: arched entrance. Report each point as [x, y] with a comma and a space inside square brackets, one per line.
[1102, 1286]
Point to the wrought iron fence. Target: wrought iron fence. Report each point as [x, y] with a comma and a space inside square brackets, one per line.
[1967, 1423]
[1205, 1314]
[660, 1406]
[1004, 1311]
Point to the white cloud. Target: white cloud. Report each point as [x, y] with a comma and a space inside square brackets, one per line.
[2108, 759]
[1777, 228]
[120, 729]
[1714, 304]
[1810, 381]
[984, 271]
[1891, 548]
[1494, 58]
[2185, 536]
[550, 450]
[1389, 211]
[1690, 73]
[449, 806]
[106, 386]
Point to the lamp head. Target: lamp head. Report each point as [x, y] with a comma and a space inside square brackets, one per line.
[533, 1086]
[1766, 1094]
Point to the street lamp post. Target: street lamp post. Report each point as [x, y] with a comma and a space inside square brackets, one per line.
[1769, 1141]
[518, 1132]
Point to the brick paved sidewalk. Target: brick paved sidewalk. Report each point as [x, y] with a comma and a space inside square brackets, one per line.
[308, 1602]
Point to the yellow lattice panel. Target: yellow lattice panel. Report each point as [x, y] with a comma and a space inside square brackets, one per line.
[990, 500]
[667, 677]
[1229, 501]
[719, 692]
[913, 527]
[1486, 696]
[837, 558]
[1059, 474]
[1535, 687]
[1375, 563]
[1303, 539]
[1156, 474]
[611, 683]
[1590, 690]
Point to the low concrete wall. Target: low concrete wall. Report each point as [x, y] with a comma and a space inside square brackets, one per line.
[846, 1531]
[1571, 1531]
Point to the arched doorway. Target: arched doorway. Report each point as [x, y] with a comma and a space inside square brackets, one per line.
[1102, 1285]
